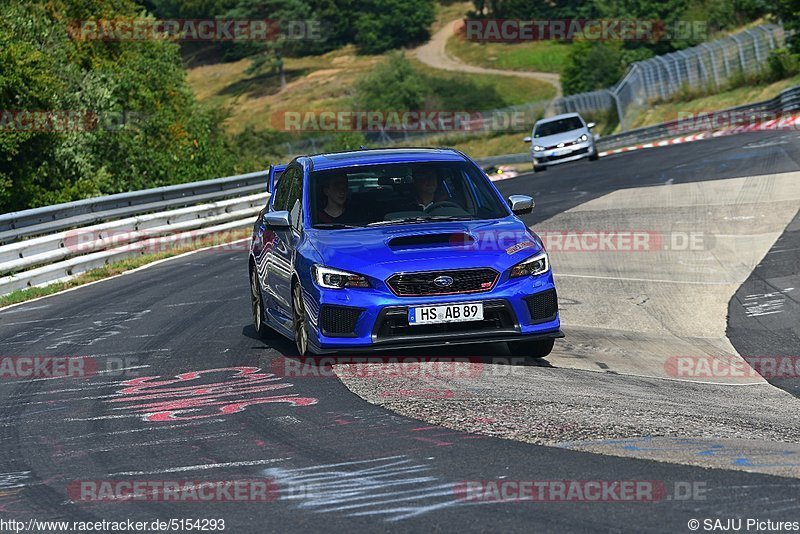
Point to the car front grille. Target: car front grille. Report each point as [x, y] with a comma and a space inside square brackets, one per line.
[583, 150]
[339, 321]
[422, 284]
[392, 324]
[543, 306]
[570, 143]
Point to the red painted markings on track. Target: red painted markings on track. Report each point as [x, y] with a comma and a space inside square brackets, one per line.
[235, 390]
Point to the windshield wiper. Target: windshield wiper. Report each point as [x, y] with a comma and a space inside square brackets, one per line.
[453, 218]
[403, 220]
[336, 226]
[422, 219]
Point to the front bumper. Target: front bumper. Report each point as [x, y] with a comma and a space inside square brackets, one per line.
[378, 319]
[563, 155]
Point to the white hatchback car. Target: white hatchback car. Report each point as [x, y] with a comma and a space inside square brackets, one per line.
[560, 139]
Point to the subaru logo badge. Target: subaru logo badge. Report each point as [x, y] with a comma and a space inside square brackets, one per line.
[443, 281]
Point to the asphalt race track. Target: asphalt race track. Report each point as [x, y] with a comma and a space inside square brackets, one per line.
[176, 387]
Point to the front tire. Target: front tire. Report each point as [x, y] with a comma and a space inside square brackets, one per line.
[299, 322]
[539, 168]
[531, 349]
[257, 305]
[594, 156]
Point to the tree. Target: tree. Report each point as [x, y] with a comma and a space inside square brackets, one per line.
[383, 25]
[393, 85]
[789, 12]
[270, 54]
[143, 129]
[591, 65]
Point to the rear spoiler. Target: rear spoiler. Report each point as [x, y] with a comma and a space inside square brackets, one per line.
[275, 172]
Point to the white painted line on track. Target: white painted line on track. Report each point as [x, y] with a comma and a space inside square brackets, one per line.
[200, 467]
[659, 281]
[143, 267]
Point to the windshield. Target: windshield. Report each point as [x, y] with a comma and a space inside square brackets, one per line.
[401, 194]
[556, 127]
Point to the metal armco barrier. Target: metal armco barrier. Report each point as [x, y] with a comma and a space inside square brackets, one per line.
[48, 219]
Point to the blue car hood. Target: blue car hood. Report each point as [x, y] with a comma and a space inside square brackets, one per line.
[382, 251]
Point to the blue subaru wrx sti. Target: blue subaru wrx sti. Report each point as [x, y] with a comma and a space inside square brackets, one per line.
[398, 248]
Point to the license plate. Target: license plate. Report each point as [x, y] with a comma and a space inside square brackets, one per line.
[449, 313]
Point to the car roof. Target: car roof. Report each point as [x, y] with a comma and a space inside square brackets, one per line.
[557, 117]
[384, 155]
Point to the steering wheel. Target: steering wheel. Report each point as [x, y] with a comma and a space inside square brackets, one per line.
[443, 204]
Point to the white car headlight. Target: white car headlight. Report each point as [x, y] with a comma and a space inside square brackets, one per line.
[537, 148]
[336, 279]
[534, 266]
[584, 137]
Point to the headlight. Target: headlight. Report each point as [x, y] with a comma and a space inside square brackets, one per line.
[538, 264]
[584, 137]
[537, 148]
[336, 279]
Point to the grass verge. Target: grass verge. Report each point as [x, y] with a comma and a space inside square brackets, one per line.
[539, 56]
[119, 267]
[667, 111]
[327, 82]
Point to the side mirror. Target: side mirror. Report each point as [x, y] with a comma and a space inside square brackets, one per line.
[591, 125]
[277, 220]
[521, 204]
[527, 139]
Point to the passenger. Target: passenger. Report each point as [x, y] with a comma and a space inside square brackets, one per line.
[334, 191]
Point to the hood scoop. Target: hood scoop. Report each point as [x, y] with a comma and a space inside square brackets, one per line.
[448, 239]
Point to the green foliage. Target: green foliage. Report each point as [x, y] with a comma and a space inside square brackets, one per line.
[146, 130]
[383, 25]
[444, 92]
[393, 85]
[789, 13]
[554, 9]
[345, 141]
[261, 146]
[188, 9]
[782, 64]
[592, 65]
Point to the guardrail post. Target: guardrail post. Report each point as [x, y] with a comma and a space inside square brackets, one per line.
[713, 60]
[740, 48]
[619, 111]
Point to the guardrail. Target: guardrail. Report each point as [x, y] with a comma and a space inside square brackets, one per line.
[55, 247]
[65, 254]
[63, 270]
[48, 219]
[787, 101]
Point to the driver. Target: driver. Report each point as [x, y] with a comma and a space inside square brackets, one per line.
[335, 193]
[425, 185]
